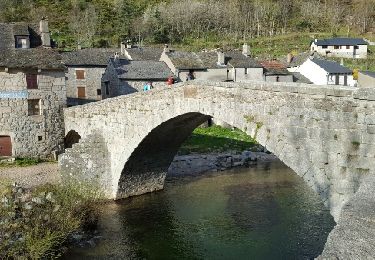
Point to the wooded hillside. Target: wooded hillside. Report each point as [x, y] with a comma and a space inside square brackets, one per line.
[103, 23]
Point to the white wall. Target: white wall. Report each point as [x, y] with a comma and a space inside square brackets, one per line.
[313, 72]
[318, 76]
[343, 52]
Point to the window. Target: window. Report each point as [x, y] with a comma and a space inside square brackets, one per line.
[324, 46]
[336, 47]
[40, 138]
[34, 107]
[356, 47]
[99, 92]
[22, 42]
[32, 81]
[107, 88]
[245, 71]
[81, 92]
[347, 47]
[80, 74]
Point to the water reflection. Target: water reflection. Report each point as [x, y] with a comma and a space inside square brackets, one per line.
[265, 212]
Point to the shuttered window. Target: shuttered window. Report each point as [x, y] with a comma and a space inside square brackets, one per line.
[34, 107]
[80, 74]
[5, 146]
[32, 81]
[81, 92]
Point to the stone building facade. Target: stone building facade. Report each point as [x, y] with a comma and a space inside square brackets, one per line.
[216, 66]
[124, 76]
[32, 92]
[84, 75]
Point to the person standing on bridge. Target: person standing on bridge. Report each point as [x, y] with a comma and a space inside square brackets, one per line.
[170, 81]
[148, 86]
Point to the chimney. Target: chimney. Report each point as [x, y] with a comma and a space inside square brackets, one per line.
[117, 56]
[246, 49]
[220, 58]
[289, 58]
[342, 62]
[123, 48]
[166, 48]
[44, 33]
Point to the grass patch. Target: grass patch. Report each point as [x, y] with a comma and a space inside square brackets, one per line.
[22, 162]
[36, 224]
[217, 139]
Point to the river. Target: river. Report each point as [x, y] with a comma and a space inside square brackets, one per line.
[262, 212]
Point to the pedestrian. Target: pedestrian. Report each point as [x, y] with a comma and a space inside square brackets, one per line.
[170, 81]
[190, 76]
[147, 86]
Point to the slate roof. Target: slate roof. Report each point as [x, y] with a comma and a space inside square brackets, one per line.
[208, 60]
[186, 60]
[274, 68]
[36, 57]
[141, 70]
[331, 66]
[299, 78]
[341, 41]
[89, 57]
[300, 58]
[369, 73]
[238, 60]
[145, 53]
[8, 31]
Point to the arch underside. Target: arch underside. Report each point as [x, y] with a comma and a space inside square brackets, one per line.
[146, 169]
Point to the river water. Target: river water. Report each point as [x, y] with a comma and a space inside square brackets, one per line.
[263, 212]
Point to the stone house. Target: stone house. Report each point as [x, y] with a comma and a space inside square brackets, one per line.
[84, 75]
[275, 71]
[32, 92]
[340, 47]
[366, 79]
[213, 65]
[123, 76]
[324, 72]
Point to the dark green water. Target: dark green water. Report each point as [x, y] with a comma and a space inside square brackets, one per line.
[265, 212]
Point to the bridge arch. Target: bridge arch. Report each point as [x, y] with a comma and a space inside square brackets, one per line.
[314, 130]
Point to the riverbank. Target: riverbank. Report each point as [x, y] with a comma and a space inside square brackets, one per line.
[31, 176]
[48, 173]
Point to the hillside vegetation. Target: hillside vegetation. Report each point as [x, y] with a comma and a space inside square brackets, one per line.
[195, 23]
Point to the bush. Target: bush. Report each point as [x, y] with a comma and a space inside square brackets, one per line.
[37, 223]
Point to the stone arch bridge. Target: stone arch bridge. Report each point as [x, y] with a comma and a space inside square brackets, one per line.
[325, 134]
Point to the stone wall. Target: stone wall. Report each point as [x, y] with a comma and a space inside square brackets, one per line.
[326, 134]
[92, 82]
[197, 163]
[36, 135]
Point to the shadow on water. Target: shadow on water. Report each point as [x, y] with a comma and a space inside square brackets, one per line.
[265, 212]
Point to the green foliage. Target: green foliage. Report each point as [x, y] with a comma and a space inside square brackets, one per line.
[217, 139]
[22, 162]
[194, 24]
[35, 224]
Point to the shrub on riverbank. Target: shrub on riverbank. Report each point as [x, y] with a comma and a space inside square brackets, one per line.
[217, 139]
[37, 223]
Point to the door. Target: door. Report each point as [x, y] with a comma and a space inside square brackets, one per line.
[81, 92]
[5, 146]
[337, 79]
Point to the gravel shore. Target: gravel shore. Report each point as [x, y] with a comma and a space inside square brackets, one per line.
[31, 176]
